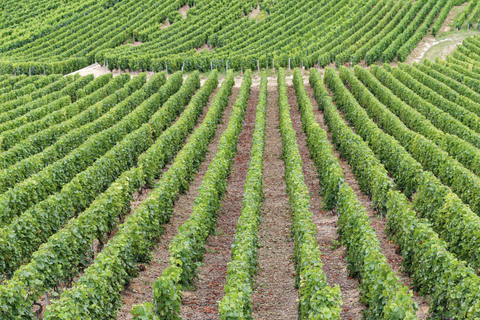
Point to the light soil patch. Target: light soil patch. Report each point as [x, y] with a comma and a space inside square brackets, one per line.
[254, 13]
[98, 70]
[183, 10]
[204, 47]
[164, 25]
[132, 44]
[445, 45]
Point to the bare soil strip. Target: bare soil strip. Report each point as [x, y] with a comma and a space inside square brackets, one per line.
[333, 256]
[201, 303]
[275, 296]
[389, 249]
[139, 290]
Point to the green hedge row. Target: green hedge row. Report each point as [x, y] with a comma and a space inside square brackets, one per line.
[453, 288]
[103, 281]
[18, 240]
[93, 223]
[51, 179]
[431, 194]
[187, 247]
[317, 300]
[382, 291]
[441, 119]
[239, 286]
[464, 152]
[462, 181]
[439, 94]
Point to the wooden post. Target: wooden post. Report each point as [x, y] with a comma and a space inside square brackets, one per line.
[288, 63]
[258, 65]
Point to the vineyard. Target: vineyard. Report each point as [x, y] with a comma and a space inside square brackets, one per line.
[239, 160]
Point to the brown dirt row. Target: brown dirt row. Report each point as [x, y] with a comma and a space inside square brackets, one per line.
[201, 303]
[275, 295]
[139, 290]
[378, 223]
[333, 256]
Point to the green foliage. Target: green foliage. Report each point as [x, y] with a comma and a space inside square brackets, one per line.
[187, 247]
[237, 302]
[317, 299]
[434, 270]
[329, 170]
[116, 264]
[381, 289]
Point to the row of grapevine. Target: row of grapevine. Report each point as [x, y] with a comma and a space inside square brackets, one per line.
[14, 134]
[452, 71]
[441, 119]
[41, 107]
[317, 300]
[461, 150]
[27, 141]
[461, 89]
[442, 16]
[47, 216]
[381, 289]
[116, 264]
[425, 183]
[462, 16]
[70, 247]
[461, 107]
[462, 181]
[410, 41]
[289, 33]
[421, 248]
[403, 167]
[19, 99]
[187, 247]
[239, 286]
[51, 178]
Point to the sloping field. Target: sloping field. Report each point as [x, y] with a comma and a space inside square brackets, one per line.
[239, 160]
